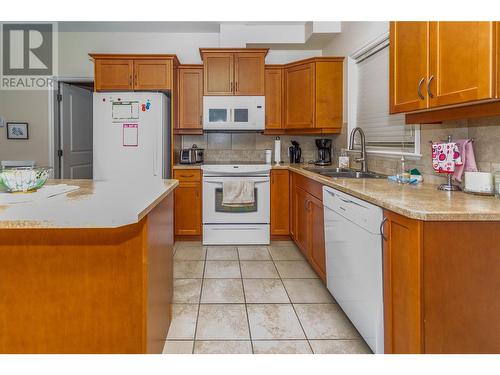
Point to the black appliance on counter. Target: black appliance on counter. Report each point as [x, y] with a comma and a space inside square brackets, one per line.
[295, 152]
[324, 146]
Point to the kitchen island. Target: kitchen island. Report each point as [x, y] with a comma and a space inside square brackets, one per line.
[89, 271]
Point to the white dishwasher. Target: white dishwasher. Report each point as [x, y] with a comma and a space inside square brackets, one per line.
[354, 262]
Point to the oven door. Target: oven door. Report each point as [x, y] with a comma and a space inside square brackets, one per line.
[215, 213]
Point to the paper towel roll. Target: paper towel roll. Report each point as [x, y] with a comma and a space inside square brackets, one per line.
[277, 150]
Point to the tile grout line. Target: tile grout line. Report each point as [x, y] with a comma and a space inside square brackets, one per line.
[293, 307]
[199, 299]
[245, 299]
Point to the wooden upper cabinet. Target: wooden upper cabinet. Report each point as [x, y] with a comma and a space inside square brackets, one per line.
[116, 74]
[233, 71]
[128, 72]
[152, 74]
[461, 62]
[249, 74]
[218, 73]
[274, 94]
[280, 202]
[328, 98]
[440, 64]
[408, 66]
[299, 96]
[190, 97]
[314, 94]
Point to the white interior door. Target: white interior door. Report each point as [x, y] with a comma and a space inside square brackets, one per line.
[75, 110]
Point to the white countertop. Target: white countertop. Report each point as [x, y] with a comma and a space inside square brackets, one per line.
[96, 204]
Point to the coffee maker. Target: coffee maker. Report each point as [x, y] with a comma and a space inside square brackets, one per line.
[295, 152]
[324, 146]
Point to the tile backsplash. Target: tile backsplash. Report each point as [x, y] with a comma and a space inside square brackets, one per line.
[485, 131]
[247, 146]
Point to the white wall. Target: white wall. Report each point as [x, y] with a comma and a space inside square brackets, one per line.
[354, 36]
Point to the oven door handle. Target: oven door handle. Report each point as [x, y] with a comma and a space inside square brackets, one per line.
[221, 182]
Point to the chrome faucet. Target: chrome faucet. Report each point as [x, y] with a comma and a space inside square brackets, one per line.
[362, 159]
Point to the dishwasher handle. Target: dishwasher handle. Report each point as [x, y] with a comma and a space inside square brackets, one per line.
[382, 229]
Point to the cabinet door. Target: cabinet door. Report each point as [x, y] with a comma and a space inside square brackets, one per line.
[299, 94]
[408, 66]
[301, 226]
[113, 74]
[329, 93]
[402, 285]
[317, 236]
[190, 98]
[188, 203]
[218, 73]
[274, 94]
[461, 62]
[280, 208]
[248, 74]
[152, 74]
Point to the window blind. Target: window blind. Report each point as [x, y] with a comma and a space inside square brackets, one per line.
[383, 131]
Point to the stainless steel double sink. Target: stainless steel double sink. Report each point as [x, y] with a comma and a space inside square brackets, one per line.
[342, 173]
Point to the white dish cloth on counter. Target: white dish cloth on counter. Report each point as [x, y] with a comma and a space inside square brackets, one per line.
[238, 193]
[44, 192]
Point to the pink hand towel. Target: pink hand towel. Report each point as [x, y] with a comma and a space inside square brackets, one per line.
[468, 160]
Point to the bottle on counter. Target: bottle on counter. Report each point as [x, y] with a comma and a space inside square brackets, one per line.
[277, 150]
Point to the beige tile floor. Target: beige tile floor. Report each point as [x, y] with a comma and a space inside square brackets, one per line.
[254, 299]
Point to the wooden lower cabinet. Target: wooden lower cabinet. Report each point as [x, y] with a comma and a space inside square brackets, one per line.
[441, 286]
[402, 284]
[188, 202]
[280, 205]
[307, 222]
[316, 236]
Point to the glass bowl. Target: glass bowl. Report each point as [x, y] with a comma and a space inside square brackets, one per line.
[24, 179]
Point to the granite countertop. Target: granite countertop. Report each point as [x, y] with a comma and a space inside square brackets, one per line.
[422, 201]
[96, 204]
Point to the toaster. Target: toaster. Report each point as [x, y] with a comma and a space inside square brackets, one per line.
[187, 156]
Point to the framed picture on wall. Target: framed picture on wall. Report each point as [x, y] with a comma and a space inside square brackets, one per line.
[17, 130]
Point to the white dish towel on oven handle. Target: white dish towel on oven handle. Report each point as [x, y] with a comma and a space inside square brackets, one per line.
[238, 193]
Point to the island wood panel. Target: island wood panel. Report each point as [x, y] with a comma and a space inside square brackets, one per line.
[402, 259]
[87, 290]
[461, 287]
[280, 202]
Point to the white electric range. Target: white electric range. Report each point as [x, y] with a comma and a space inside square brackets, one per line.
[224, 225]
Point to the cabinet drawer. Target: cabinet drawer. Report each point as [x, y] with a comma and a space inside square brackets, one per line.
[187, 175]
[312, 187]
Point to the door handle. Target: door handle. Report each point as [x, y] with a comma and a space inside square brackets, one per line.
[419, 92]
[382, 229]
[429, 87]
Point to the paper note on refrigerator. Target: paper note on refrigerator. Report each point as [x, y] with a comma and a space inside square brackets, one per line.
[130, 135]
[122, 110]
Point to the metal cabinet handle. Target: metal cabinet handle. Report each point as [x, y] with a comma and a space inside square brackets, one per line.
[130, 80]
[201, 119]
[187, 175]
[236, 87]
[382, 229]
[431, 95]
[231, 86]
[305, 204]
[419, 87]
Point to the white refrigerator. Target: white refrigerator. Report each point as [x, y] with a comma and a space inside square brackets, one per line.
[131, 137]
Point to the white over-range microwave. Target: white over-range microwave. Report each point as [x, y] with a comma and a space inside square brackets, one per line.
[234, 113]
